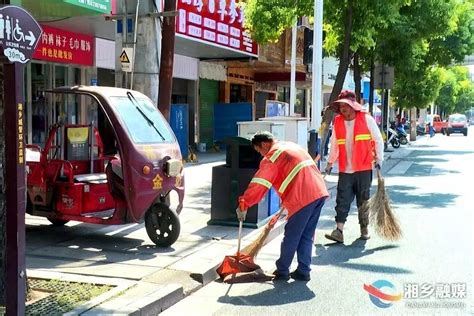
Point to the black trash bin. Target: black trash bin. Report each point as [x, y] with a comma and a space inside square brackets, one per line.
[230, 180]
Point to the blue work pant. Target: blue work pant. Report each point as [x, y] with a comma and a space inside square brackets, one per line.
[298, 238]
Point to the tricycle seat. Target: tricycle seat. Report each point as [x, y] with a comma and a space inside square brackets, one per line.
[95, 178]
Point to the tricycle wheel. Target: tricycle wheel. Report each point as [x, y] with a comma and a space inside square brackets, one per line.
[162, 225]
[57, 222]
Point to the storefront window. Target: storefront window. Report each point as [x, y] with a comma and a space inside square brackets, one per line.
[239, 93]
[39, 82]
[48, 110]
[300, 102]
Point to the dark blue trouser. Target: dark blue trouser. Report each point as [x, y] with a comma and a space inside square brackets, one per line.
[298, 238]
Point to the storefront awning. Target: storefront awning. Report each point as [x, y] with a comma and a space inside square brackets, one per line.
[55, 9]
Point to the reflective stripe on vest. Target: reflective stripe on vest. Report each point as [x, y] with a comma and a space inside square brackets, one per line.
[341, 141]
[363, 137]
[293, 173]
[262, 181]
[275, 155]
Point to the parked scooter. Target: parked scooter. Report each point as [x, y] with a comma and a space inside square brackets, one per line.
[402, 134]
[393, 138]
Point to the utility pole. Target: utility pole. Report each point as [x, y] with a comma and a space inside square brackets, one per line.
[294, 34]
[167, 58]
[144, 35]
[317, 66]
[316, 87]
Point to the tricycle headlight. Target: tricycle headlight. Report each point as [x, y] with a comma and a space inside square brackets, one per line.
[173, 167]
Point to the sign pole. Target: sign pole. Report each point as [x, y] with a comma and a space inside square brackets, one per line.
[15, 188]
[18, 41]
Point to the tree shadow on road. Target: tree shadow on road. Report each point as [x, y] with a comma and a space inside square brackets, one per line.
[339, 255]
[404, 194]
[282, 293]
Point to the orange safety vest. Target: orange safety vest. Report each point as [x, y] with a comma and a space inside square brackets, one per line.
[291, 171]
[363, 145]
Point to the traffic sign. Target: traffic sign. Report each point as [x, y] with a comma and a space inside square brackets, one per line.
[19, 34]
[384, 76]
[126, 59]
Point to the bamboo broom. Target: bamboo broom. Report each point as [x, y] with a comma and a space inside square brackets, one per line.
[253, 248]
[382, 216]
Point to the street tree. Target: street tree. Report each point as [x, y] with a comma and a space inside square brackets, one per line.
[350, 26]
[436, 33]
[413, 36]
[457, 91]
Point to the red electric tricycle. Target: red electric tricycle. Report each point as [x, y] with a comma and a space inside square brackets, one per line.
[112, 159]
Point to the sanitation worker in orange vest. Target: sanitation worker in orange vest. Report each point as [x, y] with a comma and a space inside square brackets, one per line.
[290, 170]
[357, 144]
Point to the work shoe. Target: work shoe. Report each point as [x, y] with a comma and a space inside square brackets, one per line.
[336, 235]
[296, 275]
[280, 277]
[364, 233]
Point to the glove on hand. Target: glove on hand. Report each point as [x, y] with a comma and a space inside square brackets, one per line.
[377, 166]
[243, 206]
[241, 215]
[328, 168]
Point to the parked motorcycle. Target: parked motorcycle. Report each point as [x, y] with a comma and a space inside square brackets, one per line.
[402, 134]
[393, 138]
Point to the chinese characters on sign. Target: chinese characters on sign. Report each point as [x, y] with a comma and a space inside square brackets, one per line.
[21, 150]
[215, 21]
[102, 6]
[61, 46]
[19, 34]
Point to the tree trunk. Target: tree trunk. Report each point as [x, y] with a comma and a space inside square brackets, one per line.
[357, 77]
[344, 62]
[167, 56]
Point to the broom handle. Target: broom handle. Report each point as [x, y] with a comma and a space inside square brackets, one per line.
[240, 236]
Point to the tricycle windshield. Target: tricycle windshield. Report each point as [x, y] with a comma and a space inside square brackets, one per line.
[143, 121]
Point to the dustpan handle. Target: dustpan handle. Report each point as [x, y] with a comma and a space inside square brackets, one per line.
[240, 236]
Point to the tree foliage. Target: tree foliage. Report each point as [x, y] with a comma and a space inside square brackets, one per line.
[411, 35]
[457, 91]
[414, 36]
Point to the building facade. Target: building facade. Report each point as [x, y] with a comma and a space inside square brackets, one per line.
[75, 48]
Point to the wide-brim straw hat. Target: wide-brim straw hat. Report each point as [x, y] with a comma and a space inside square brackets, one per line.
[347, 97]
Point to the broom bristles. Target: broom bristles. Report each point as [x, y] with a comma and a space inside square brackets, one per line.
[383, 218]
[253, 248]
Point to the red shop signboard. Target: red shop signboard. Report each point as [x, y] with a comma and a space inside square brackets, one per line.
[61, 46]
[218, 22]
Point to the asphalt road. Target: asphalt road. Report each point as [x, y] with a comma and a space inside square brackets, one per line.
[431, 187]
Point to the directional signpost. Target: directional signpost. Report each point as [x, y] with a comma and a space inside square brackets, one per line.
[19, 35]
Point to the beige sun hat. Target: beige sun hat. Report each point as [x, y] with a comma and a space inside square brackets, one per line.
[348, 97]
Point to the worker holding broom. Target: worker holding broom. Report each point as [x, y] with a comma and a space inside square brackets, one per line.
[357, 145]
[290, 170]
